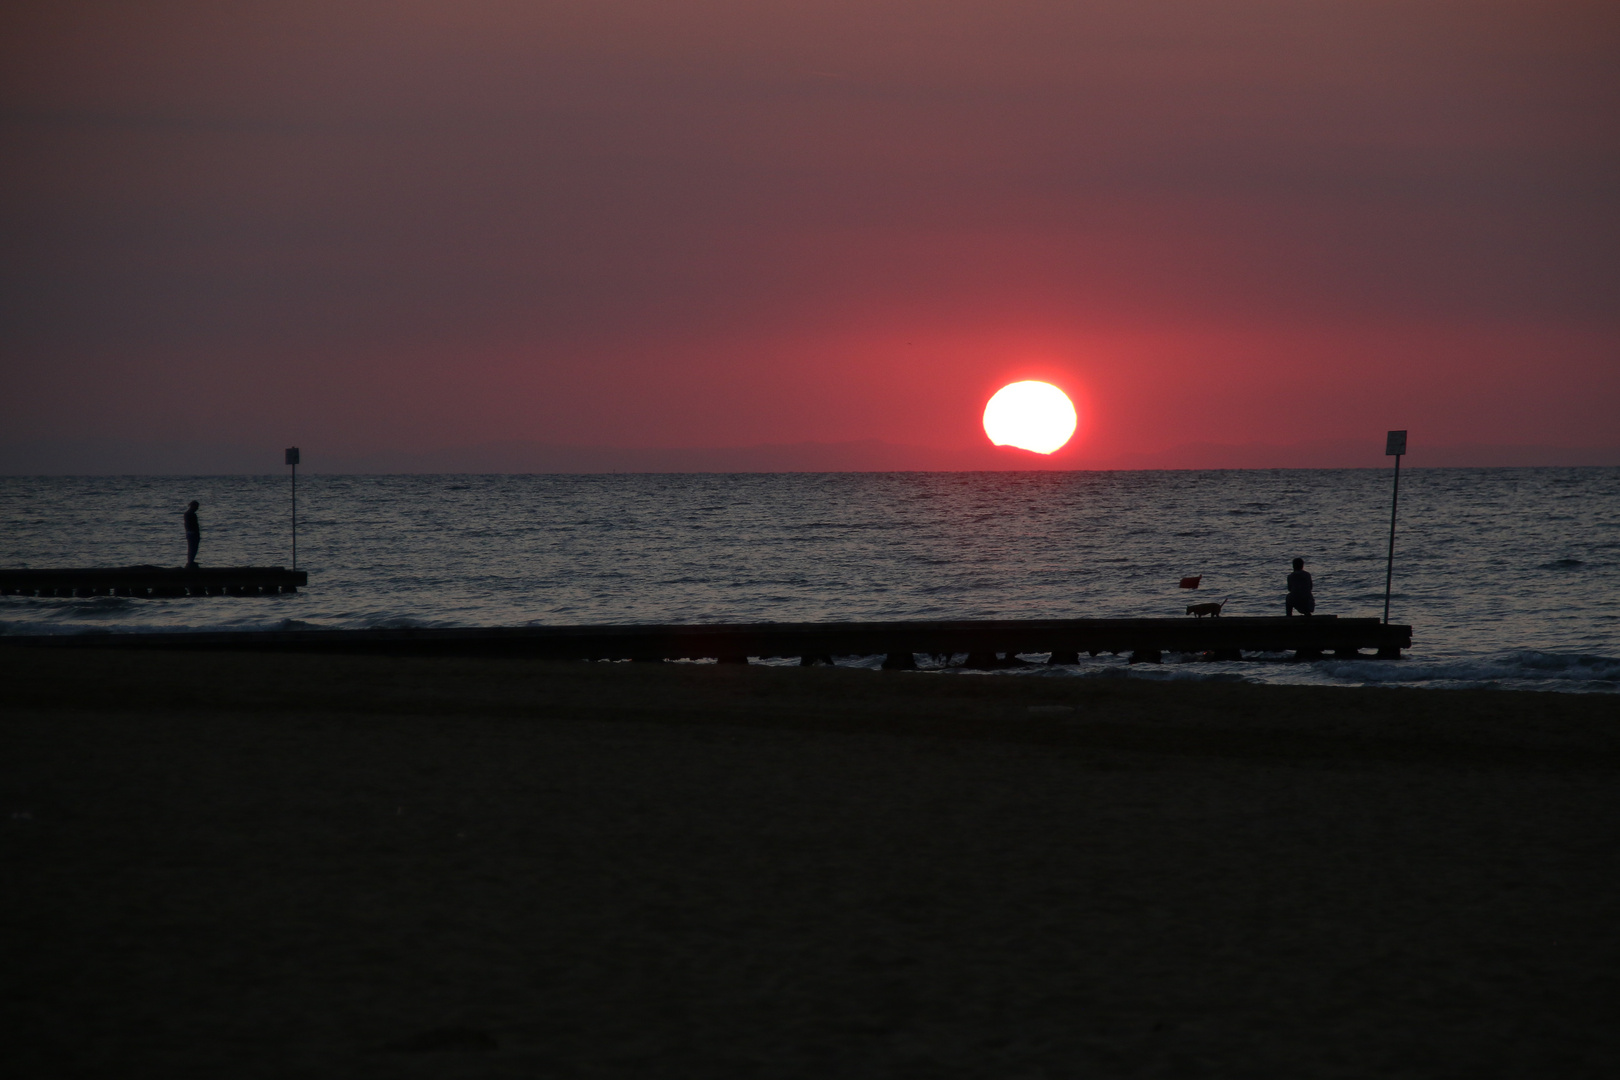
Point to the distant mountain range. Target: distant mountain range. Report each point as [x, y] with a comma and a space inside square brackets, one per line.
[104, 457]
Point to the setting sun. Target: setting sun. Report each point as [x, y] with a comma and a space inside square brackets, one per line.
[1031, 416]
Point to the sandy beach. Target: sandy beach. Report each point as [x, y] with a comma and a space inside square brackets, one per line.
[239, 865]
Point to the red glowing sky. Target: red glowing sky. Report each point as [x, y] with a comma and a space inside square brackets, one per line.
[684, 224]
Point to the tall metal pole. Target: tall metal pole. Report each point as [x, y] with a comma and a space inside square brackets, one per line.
[292, 460]
[1394, 446]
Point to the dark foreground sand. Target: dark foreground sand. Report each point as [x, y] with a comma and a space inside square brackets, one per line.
[231, 866]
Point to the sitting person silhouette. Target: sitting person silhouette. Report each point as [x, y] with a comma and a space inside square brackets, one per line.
[1299, 591]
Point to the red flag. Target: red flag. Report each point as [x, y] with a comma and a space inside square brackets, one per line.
[1191, 582]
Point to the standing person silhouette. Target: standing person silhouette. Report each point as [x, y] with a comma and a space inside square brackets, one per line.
[193, 535]
[1299, 591]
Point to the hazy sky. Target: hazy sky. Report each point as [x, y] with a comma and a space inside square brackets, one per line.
[393, 225]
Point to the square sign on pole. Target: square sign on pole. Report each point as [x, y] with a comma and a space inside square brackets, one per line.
[1394, 444]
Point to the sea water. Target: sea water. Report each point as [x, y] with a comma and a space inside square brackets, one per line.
[1508, 577]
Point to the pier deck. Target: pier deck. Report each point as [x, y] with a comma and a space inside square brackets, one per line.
[987, 643]
[153, 581]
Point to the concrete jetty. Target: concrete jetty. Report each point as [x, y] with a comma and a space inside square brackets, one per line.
[986, 643]
[153, 581]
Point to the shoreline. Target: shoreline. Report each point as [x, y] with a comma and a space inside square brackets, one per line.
[1524, 670]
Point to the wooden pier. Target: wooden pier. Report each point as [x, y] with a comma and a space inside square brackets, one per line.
[984, 643]
[153, 581]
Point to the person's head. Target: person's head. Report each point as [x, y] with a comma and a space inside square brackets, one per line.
[1299, 564]
[194, 505]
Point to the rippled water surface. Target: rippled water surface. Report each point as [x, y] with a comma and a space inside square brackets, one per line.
[1509, 577]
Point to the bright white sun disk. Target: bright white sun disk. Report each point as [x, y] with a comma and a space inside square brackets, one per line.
[1031, 416]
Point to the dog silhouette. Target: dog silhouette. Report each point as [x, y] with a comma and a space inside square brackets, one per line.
[1213, 609]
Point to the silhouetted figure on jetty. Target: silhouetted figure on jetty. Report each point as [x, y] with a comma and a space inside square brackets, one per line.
[1299, 591]
[193, 535]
